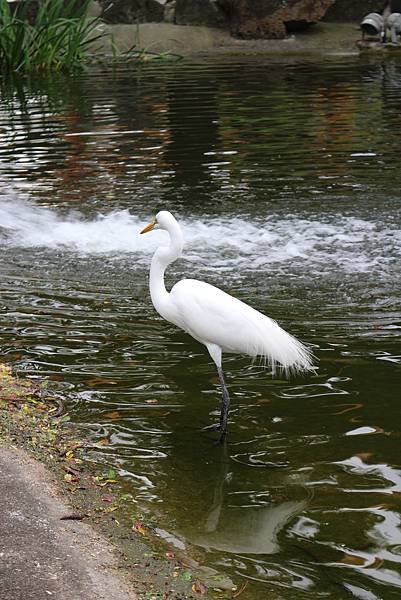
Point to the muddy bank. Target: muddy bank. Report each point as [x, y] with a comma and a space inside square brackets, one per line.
[321, 39]
[61, 532]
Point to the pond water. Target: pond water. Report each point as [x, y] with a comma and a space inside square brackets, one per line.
[286, 179]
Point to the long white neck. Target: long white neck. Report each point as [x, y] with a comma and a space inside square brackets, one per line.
[160, 261]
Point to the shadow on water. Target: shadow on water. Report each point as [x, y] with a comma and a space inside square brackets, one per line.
[285, 178]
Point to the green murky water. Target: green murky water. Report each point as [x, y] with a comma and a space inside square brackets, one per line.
[286, 178]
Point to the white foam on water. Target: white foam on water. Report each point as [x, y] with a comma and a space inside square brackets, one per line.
[27, 225]
[336, 242]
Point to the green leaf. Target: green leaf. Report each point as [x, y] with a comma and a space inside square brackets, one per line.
[110, 474]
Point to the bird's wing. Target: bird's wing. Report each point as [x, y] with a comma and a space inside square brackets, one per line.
[214, 317]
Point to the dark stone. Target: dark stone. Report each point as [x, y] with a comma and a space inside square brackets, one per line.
[345, 11]
[132, 11]
[28, 9]
[200, 12]
[275, 18]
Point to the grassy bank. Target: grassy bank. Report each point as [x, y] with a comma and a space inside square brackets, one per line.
[32, 417]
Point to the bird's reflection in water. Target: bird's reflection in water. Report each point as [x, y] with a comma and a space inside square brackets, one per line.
[240, 529]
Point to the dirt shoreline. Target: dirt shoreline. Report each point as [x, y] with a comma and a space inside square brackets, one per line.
[42, 550]
[54, 505]
[323, 39]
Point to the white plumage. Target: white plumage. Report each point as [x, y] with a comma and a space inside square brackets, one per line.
[219, 321]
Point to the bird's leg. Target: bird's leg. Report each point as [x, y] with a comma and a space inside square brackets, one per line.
[225, 404]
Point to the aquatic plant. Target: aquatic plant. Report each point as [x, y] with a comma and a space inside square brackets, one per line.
[144, 54]
[57, 37]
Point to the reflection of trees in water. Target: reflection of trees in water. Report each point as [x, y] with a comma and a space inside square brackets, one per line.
[36, 115]
[193, 120]
[160, 133]
[391, 108]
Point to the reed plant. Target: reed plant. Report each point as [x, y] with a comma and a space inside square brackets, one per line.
[57, 37]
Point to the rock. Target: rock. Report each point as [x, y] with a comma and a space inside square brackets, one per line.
[132, 11]
[345, 11]
[199, 12]
[275, 18]
[169, 11]
[28, 9]
[94, 9]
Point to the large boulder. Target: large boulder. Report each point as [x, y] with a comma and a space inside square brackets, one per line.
[132, 11]
[275, 18]
[343, 11]
[200, 12]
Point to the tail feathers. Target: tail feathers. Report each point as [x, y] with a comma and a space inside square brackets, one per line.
[279, 349]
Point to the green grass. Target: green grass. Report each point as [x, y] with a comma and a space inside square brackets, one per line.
[57, 39]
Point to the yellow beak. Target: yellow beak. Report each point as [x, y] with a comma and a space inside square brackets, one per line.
[149, 227]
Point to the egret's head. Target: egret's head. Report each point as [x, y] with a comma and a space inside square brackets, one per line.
[162, 221]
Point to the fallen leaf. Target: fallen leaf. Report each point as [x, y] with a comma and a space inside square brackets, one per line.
[107, 498]
[114, 414]
[101, 381]
[139, 528]
[241, 589]
[107, 482]
[352, 559]
[74, 470]
[199, 588]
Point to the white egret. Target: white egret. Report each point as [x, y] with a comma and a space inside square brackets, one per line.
[219, 321]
